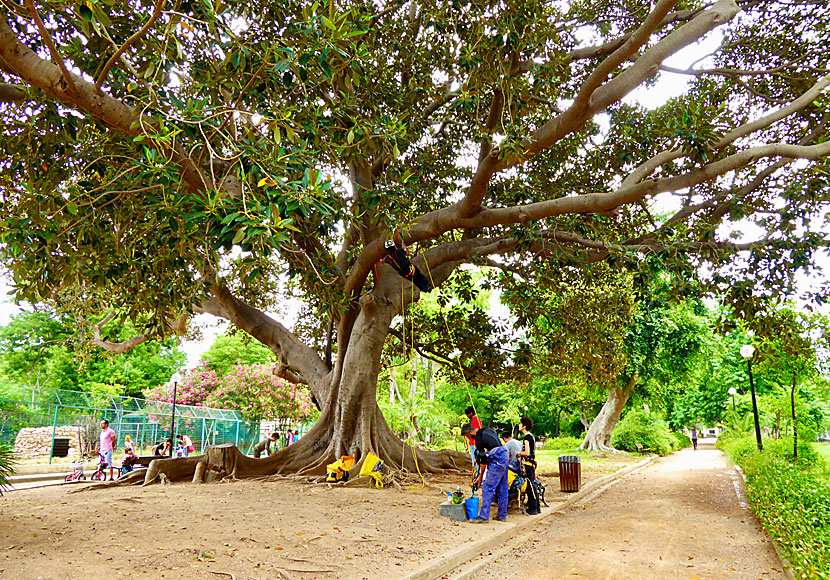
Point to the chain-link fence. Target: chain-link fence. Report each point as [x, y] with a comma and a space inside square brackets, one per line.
[146, 422]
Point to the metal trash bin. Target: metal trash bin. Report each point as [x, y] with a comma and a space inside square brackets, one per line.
[570, 473]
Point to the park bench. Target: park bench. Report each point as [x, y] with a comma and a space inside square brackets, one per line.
[642, 450]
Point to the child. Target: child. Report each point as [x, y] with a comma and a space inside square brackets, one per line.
[129, 460]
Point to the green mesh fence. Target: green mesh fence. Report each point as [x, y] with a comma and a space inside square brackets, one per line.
[146, 422]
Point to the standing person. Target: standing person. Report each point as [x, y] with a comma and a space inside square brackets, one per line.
[475, 423]
[289, 437]
[492, 454]
[528, 455]
[513, 446]
[694, 438]
[128, 445]
[188, 446]
[106, 443]
[265, 445]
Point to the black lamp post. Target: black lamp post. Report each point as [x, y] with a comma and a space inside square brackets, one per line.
[175, 380]
[747, 351]
[733, 391]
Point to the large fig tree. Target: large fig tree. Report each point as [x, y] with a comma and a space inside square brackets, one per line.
[182, 156]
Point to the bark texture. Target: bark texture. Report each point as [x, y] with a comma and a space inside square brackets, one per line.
[598, 437]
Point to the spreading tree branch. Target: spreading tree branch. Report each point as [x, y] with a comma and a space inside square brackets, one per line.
[129, 42]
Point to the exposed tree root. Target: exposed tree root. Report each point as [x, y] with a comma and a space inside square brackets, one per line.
[226, 463]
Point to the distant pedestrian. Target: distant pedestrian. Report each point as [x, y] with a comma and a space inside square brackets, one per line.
[128, 445]
[290, 437]
[106, 443]
[694, 438]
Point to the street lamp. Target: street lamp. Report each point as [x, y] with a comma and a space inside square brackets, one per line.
[733, 391]
[175, 380]
[747, 351]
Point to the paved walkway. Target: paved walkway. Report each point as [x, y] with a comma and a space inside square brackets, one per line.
[683, 517]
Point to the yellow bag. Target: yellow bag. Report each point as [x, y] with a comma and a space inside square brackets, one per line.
[373, 467]
[339, 470]
[511, 477]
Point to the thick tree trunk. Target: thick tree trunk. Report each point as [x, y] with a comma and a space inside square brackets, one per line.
[350, 422]
[598, 437]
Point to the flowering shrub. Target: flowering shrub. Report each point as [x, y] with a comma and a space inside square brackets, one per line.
[194, 389]
[257, 393]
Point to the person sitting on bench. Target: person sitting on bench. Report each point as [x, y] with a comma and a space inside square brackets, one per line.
[129, 460]
[265, 445]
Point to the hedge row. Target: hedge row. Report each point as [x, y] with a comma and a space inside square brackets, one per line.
[791, 502]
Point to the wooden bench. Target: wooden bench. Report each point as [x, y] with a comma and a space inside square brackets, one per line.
[642, 450]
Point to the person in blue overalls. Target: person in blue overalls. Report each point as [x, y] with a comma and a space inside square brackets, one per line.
[492, 455]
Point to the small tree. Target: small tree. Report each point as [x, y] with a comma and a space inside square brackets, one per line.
[787, 352]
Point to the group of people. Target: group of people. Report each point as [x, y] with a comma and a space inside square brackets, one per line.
[264, 446]
[492, 457]
[184, 447]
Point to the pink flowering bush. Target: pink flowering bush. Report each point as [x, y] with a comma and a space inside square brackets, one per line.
[258, 394]
[194, 389]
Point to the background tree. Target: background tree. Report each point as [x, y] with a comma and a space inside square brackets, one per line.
[39, 349]
[787, 354]
[229, 350]
[140, 151]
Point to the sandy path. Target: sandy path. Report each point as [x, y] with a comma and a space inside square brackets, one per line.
[683, 517]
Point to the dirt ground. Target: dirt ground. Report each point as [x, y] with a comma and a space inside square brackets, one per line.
[684, 517]
[249, 529]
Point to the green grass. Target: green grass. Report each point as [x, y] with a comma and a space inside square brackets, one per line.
[548, 459]
[823, 449]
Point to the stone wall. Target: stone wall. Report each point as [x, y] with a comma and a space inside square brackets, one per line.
[36, 443]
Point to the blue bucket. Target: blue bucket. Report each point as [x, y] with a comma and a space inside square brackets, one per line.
[471, 504]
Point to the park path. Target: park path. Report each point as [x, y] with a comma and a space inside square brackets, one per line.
[682, 517]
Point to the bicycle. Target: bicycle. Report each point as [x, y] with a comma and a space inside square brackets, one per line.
[77, 471]
[100, 474]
